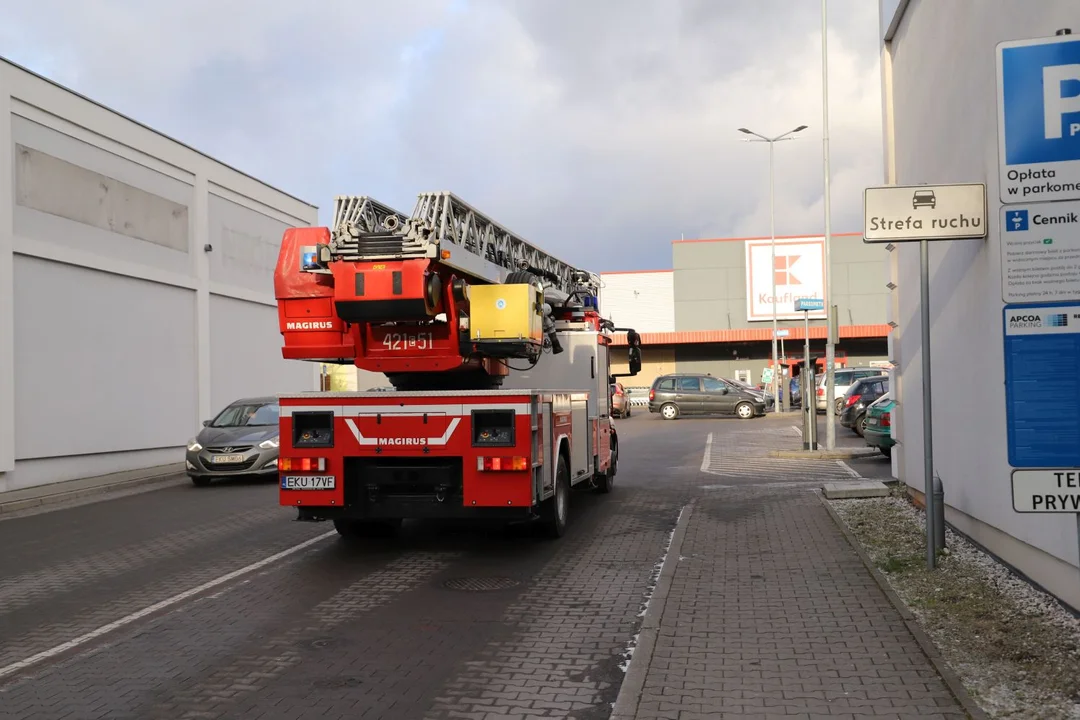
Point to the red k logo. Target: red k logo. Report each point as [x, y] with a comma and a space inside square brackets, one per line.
[782, 273]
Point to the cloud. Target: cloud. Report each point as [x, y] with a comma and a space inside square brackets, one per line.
[598, 135]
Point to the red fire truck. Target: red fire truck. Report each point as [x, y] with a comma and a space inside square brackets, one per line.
[497, 353]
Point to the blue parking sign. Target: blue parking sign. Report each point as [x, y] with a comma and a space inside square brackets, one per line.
[1039, 119]
[1016, 220]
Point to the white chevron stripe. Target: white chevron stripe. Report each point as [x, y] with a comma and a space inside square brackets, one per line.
[745, 456]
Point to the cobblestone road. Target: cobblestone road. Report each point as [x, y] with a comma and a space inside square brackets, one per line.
[377, 631]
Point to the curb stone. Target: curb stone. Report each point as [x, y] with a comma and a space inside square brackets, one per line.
[823, 454]
[633, 685]
[14, 506]
[952, 680]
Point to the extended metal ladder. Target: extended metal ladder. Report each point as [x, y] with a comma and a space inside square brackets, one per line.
[442, 227]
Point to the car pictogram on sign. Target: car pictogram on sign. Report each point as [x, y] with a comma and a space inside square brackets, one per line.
[924, 198]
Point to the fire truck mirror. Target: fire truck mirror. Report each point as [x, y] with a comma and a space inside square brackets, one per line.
[635, 360]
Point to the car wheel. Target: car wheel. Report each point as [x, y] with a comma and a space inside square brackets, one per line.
[669, 411]
[744, 410]
[627, 411]
[886, 451]
[557, 506]
[200, 481]
[839, 406]
[860, 425]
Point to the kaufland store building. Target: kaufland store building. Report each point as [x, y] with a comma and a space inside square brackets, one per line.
[712, 311]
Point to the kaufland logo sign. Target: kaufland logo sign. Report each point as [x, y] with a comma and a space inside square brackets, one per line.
[798, 271]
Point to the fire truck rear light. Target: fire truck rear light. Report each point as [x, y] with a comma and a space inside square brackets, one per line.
[515, 463]
[307, 464]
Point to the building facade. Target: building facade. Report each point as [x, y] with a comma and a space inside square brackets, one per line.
[717, 315]
[136, 288]
[943, 128]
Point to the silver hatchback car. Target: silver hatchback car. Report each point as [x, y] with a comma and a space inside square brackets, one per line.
[242, 441]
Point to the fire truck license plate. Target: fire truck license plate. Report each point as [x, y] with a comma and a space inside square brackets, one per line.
[307, 482]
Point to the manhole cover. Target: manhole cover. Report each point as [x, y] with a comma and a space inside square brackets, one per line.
[481, 584]
[321, 643]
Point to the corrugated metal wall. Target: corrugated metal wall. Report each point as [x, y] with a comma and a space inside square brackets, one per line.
[136, 288]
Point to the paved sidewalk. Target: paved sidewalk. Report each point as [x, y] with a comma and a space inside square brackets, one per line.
[771, 613]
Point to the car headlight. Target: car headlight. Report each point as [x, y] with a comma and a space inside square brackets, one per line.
[193, 445]
[270, 444]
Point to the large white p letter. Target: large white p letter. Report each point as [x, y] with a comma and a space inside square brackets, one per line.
[1054, 105]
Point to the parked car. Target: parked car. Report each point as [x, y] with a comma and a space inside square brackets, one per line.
[858, 397]
[762, 393]
[242, 441]
[878, 429]
[844, 378]
[680, 394]
[620, 401]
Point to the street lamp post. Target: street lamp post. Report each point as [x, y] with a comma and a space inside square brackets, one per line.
[776, 374]
[830, 317]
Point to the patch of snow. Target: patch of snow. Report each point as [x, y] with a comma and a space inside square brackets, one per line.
[654, 578]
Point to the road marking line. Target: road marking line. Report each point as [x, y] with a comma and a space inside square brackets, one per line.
[706, 460]
[850, 470]
[128, 619]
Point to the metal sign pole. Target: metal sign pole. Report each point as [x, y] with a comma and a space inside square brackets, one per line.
[806, 388]
[928, 428]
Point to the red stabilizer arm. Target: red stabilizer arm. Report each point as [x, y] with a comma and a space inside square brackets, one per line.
[306, 315]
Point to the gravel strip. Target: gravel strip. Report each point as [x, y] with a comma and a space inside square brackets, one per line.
[1016, 649]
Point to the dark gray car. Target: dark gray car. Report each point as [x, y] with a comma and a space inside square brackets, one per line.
[242, 441]
[702, 394]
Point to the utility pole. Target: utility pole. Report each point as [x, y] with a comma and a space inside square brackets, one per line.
[776, 374]
[830, 316]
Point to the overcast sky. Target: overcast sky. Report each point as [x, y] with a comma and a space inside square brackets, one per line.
[598, 130]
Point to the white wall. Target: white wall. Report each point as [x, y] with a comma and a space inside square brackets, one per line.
[118, 332]
[945, 131]
[644, 301]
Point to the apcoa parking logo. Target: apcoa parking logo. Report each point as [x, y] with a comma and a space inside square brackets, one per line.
[1025, 320]
[1038, 320]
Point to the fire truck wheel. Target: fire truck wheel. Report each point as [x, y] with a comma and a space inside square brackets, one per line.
[557, 506]
[350, 528]
[605, 482]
